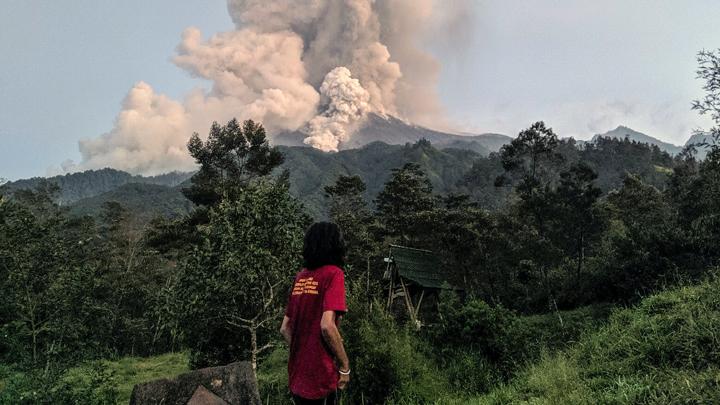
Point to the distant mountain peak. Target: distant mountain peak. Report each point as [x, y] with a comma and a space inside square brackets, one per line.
[622, 132]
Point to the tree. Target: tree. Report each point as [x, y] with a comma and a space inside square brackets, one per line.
[643, 243]
[232, 287]
[50, 282]
[578, 221]
[532, 158]
[231, 157]
[405, 203]
[350, 211]
[709, 71]
[532, 163]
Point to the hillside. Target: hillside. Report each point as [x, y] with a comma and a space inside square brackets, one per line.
[146, 200]
[311, 170]
[393, 131]
[91, 183]
[623, 132]
[663, 351]
[449, 169]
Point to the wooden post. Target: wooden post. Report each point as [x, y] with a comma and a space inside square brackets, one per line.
[408, 302]
[419, 303]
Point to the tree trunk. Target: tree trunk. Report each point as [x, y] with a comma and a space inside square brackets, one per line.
[253, 348]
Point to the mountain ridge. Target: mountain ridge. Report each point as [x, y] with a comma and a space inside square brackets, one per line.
[622, 132]
[394, 131]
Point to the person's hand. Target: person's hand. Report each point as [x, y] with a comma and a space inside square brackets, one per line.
[343, 381]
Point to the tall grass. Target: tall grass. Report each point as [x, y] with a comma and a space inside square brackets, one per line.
[665, 350]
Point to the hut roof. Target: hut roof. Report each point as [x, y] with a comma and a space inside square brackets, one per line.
[420, 266]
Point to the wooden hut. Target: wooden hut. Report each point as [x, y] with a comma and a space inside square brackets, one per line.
[413, 275]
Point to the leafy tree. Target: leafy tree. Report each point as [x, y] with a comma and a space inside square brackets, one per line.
[49, 273]
[233, 286]
[350, 211]
[231, 157]
[532, 158]
[578, 221]
[644, 242]
[532, 163]
[403, 206]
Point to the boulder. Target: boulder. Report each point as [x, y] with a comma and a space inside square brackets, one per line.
[233, 384]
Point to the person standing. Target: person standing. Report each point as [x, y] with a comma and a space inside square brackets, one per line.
[318, 366]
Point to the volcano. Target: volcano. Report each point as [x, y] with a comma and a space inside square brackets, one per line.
[393, 131]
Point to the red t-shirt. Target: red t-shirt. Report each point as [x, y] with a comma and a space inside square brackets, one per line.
[311, 369]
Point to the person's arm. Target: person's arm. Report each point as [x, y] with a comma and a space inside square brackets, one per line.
[332, 337]
[286, 330]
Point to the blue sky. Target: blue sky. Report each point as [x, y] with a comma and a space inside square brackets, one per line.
[582, 66]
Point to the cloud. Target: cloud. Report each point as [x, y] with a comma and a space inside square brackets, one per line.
[318, 66]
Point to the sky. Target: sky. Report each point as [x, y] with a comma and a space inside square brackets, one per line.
[582, 66]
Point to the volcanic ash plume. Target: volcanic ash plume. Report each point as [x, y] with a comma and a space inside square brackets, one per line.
[318, 66]
[346, 102]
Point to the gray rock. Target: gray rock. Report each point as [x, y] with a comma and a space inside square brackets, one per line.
[203, 396]
[234, 384]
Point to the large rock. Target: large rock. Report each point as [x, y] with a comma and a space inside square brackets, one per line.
[233, 384]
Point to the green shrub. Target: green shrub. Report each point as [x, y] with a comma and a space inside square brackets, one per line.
[273, 377]
[92, 384]
[389, 362]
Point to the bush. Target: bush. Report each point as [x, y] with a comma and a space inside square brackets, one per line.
[92, 384]
[273, 377]
[389, 362]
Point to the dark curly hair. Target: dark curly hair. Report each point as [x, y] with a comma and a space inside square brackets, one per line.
[324, 244]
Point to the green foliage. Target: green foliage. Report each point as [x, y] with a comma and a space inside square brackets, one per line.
[73, 289]
[481, 345]
[390, 362]
[349, 210]
[273, 377]
[230, 291]
[145, 201]
[641, 251]
[312, 170]
[231, 157]
[662, 351]
[404, 203]
[91, 183]
[91, 384]
[532, 158]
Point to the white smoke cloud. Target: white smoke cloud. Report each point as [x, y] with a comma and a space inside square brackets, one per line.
[318, 66]
[346, 103]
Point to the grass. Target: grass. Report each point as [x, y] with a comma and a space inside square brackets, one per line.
[666, 350]
[130, 371]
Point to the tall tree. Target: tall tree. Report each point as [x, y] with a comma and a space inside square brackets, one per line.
[532, 158]
[405, 203]
[231, 157]
[578, 221]
[532, 163]
[232, 289]
[348, 208]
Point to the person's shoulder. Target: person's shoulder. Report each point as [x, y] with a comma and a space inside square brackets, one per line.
[332, 269]
[336, 270]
